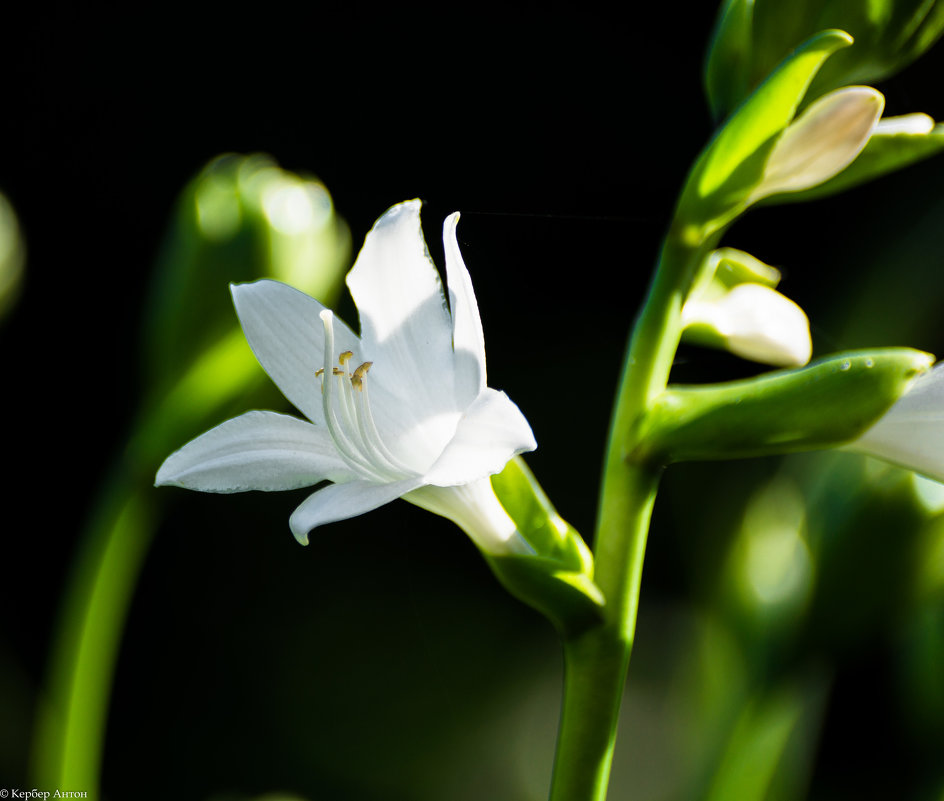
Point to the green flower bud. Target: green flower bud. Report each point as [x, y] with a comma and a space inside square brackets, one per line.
[827, 404]
[752, 36]
[764, 148]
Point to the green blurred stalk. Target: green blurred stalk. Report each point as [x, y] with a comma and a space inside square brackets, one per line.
[69, 738]
[70, 731]
[200, 365]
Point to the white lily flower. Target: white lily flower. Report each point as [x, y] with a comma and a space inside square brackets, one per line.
[822, 141]
[401, 411]
[911, 432]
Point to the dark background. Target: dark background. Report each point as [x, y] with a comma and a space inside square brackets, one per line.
[563, 133]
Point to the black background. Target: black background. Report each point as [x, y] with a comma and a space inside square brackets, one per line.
[562, 132]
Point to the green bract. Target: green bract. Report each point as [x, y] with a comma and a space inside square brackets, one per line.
[752, 36]
[557, 579]
[826, 404]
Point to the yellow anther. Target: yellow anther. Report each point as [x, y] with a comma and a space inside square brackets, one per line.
[338, 371]
[357, 379]
[345, 357]
[319, 372]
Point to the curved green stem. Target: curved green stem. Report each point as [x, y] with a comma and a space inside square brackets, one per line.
[595, 662]
[70, 729]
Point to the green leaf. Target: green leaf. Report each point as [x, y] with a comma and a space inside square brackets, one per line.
[557, 579]
[883, 154]
[733, 162]
[823, 405]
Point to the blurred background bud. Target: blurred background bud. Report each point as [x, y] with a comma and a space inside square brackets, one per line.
[752, 36]
[769, 563]
[12, 256]
[241, 218]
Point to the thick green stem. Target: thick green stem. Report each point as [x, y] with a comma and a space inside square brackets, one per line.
[595, 662]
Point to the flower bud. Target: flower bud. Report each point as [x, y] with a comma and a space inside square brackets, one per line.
[821, 142]
[752, 36]
[735, 307]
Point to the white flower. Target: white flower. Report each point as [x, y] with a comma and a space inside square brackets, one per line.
[401, 411]
[735, 306]
[822, 141]
[754, 322]
[911, 432]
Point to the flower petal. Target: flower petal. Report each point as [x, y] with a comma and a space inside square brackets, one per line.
[405, 325]
[342, 501]
[475, 508]
[752, 321]
[491, 431]
[467, 337]
[255, 451]
[911, 432]
[916, 124]
[287, 336]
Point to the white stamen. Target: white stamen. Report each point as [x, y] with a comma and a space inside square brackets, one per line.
[369, 429]
[348, 416]
[346, 449]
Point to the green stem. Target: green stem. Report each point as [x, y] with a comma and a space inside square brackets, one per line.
[595, 662]
[67, 748]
